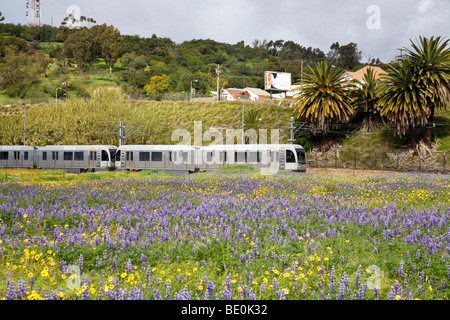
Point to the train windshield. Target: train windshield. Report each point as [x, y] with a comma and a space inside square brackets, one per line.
[118, 155]
[105, 156]
[301, 156]
[112, 152]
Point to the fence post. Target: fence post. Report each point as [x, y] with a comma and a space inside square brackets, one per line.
[397, 160]
[444, 162]
[335, 159]
[420, 161]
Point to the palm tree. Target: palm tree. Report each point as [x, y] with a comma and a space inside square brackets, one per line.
[252, 120]
[403, 98]
[322, 100]
[431, 57]
[366, 96]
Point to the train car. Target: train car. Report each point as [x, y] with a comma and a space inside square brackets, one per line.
[156, 157]
[274, 157]
[73, 158]
[16, 157]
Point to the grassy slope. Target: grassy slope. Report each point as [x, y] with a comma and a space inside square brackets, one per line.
[96, 120]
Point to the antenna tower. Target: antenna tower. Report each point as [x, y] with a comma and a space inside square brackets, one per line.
[34, 12]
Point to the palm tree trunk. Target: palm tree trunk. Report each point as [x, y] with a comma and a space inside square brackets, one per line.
[414, 138]
[429, 128]
[323, 142]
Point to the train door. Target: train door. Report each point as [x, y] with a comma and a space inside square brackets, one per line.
[129, 158]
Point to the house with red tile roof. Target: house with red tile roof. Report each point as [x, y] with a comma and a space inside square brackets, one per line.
[359, 75]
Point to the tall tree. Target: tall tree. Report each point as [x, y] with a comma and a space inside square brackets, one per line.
[403, 98]
[79, 48]
[2, 17]
[323, 101]
[110, 42]
[431, 58]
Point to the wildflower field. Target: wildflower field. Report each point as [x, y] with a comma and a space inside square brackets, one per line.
[223, 235]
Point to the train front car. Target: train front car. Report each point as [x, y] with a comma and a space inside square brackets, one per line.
[155, 157]
[270, 158]
[16, 157]
[295, 158]
[73, 158]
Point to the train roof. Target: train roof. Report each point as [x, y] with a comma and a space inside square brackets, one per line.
[16, 148]
[248, 147]
[77, 147]
[145, 147]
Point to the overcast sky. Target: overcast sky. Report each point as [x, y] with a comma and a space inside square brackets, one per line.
[316, 23]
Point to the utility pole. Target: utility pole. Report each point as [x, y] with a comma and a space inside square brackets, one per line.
[218, 77]
[121, 134]
[401, 53]
[243, 110]
[134, 84]
[24, 122]
[291, 129]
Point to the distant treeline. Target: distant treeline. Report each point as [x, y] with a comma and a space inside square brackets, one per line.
[155, 65]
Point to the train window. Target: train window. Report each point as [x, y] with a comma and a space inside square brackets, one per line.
[129, 155]
[301, 156]
[185, 156]
[112, 152]
[25, 155]
[157, 156]
[68, 156]
[55, 155]
[144, 156]
[255, 157]
[4, 155]
[105, 156]
[44, 156]
[118, 154]
[92, 155]
[290, 157]
[79, 156]
[240, 157]
[170, 156]
[209, 156]
[16, 155]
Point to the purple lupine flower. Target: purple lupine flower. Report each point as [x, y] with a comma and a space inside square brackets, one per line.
[80, 263]
[10, 292]
[391, 295]
[375, 292]
[168, 286]
[418, 254]
[332, 279]
[275, 284]
[401, 270]
[157, 295]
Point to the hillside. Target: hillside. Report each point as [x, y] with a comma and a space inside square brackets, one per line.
[96, 120]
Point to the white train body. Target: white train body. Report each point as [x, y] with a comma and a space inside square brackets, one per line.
[84, 158]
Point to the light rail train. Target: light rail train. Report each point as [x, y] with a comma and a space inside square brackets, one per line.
[92, 158]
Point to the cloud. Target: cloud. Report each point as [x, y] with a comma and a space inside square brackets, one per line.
[315, 24]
